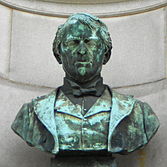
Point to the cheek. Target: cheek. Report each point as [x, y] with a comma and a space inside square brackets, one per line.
[68, 55]
[67, 50]
[98, 56]
[72, 53]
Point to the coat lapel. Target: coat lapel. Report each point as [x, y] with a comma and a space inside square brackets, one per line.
[121, 107]
[44, 109]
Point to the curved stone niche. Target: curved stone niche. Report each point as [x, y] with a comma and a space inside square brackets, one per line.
[86, 1]
[108, 8]
[137, 40]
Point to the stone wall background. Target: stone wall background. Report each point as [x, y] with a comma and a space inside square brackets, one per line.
[28, 68]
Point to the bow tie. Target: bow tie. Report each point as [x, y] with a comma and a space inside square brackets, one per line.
[95, 88]
[78, 91]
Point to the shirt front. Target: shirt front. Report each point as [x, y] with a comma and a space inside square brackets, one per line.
[78, 131]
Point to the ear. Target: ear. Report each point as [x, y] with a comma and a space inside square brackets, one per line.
[57, 54]
[107, 56]
[58, 57]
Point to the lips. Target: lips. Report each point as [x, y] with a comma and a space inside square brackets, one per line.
[83, 63]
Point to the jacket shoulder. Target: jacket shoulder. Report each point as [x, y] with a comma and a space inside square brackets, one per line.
[22, 121]
[123, 97]
[151, 121]
[124, 103]
[137, 128]
[45, 97]
[28, 126]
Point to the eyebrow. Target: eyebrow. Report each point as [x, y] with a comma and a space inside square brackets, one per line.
[72, 38]
[93, 38]
[78, 38]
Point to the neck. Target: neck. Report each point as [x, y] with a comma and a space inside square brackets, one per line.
[87, 83]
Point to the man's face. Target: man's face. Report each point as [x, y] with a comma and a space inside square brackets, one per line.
[82, 52]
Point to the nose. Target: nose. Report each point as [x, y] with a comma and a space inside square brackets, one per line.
[82, 49]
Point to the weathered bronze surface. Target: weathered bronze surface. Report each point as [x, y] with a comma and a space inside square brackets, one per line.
[84, 116]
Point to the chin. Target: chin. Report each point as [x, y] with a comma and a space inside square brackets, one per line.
[85, 78]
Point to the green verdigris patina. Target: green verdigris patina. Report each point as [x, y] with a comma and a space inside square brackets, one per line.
[85, 116]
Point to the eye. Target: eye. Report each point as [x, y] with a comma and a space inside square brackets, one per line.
[91, 43]
[76, 41]
[72, 43]
[86, 40]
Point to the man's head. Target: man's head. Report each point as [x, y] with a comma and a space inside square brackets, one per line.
[82, 44]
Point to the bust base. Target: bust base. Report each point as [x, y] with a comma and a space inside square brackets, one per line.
[83, 161]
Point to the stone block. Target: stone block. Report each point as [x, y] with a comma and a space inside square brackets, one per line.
[32, 60]
[143, 89]
[5, 36]
[138, 49]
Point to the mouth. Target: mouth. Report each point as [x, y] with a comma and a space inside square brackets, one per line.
[83, 63]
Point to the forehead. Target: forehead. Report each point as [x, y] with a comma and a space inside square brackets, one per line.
[78, 29]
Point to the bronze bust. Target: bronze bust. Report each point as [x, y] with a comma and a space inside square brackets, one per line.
[85, 116]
